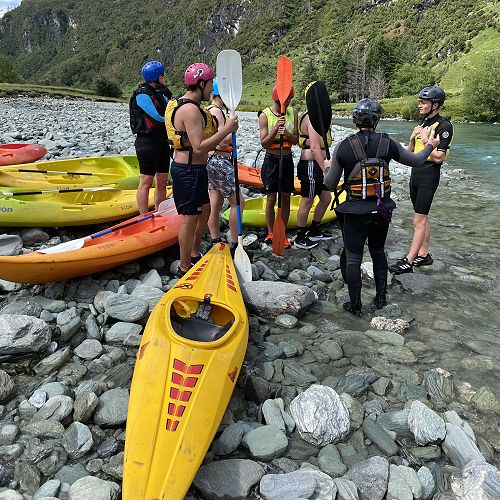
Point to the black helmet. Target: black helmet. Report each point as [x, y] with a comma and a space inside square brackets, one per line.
[434, 94]
[367, 112]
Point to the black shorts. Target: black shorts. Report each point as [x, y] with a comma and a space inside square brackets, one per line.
[423, 185]
[153, 153]
[311, 178]
[190, 188]
[270, 172]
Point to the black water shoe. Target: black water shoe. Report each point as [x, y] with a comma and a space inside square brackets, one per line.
[305, 242]
[420, 261]
[402, 266]
[352, 309]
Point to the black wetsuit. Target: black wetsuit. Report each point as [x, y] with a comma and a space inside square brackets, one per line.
[360, 219]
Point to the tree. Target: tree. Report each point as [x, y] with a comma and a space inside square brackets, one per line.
[107, 88]
[409, 79]
[7, 72]
[382, 56]
[334, 75]
[357, 74]
[308, 74]
[377, 85]
[481, 91]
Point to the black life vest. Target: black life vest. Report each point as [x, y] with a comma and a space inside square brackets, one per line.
[140, 122]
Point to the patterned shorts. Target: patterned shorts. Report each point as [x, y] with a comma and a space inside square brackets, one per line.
[220, 175]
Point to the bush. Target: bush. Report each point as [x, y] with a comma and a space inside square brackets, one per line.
[7, 72]
[107, 88]
[409, 79]
[481, 91]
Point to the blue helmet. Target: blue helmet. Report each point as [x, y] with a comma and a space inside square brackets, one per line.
[215, 91]
[152, 70]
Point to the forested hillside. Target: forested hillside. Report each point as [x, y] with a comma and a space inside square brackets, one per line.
[360, 47]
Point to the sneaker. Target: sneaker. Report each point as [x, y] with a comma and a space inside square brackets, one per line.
[316, 234]
[180, 272]
[268, 238]
[305, 242]
[402, 266]
[419, 261]
[287, 244]
[197, 258]
[353, 310]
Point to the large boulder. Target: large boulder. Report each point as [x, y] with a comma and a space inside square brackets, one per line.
[21, 334]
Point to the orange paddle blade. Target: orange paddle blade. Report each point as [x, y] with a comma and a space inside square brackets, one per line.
[284, 79]
[279, 234]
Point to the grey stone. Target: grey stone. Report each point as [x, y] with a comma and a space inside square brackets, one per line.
[10, 495]
[112, 408]
[23, 307]
[6, 386]
[439, 385]
[377, 434]
[266, 442]
[357, 381]
[299, 374]
[120, 331]
[298, 484]
[325, 486]
[230, 439]
[10, 452]
[77, 440]
[394, 325]
[427, 482]
[347, 490]
[425, 424]
[85, 404]
[332, 349]
[356, 410]
[69, 322]
[33, 236]
[318, 274]
[35, 450]
[272, 414]
[72, 373]
[411, 479]
[285, 465]
[386, 337]
[212, 479]
[320, 415]
[45, 429]
[10, 244]
[48, 489]
[71, 473]
[152, 278]
[50, 305]
[89, 349]
[371, 478]
[397, 488]
[8, 432]
[416, 283]
[289, 350]
[148, 293]
[101, 298]
[270, 298]
[126, 308]
[381, 386]
[459, 448]
[286, 320]
[108, 448]
[56, 408]
[396, 421]
[398, 354]
[38, 398]
[23, 335]
[330, 461]
[486, 401]
[477, 480]
[452, 417]
[114, 466]
[92, 487]
[54, 462]
[92, 328]
[53, 362]
[299, 276]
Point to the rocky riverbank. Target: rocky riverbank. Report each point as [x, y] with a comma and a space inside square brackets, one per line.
[399, 404]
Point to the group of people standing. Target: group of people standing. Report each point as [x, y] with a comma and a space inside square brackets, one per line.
[202, 171]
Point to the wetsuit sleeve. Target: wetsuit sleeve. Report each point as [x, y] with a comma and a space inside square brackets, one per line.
[146, 104]
[445, 131]
[333, 174]
[408, 158]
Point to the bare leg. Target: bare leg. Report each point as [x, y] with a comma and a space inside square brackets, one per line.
[285, 207]
[216, 201]
[325, 198]
[233, 217]
[142, 196]
[160, 188]
[270, 203]
[303, 212]
[424, 249]
[186, 237]
[201, 227]
[419, 224]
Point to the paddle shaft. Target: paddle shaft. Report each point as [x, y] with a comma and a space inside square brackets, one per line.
[73, 190]
[57, 172]
[237, 186]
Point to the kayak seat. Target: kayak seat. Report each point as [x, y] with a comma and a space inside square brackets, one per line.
[197, 329]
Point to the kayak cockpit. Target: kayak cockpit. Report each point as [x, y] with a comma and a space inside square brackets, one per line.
[200, 321]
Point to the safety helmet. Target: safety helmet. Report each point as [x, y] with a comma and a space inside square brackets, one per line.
[198, 72]
[152, 70]
[367, 112]
[434, 94]
[275, 93]
[215, 91]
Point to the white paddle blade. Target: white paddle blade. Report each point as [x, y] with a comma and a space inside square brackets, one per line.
[167, 207]
[242, 265]
[67, 246]
[230, 78]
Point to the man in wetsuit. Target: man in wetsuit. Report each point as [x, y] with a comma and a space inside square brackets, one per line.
[367, 217]
[424, 181]
[147, 109]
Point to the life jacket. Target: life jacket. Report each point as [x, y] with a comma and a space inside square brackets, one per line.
[140, 121]
[419, 145]
[272, 119]
[303, 138]
[178, 139]
[223, 149]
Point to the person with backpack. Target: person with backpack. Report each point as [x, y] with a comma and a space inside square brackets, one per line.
[363, 159]
[425, 181]
[147, 109]
[221, 182]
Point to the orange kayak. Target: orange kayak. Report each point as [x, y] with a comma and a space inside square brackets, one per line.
[251, 177]
[11, 154]
[132, 241]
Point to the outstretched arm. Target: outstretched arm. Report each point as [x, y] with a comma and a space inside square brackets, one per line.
[146, 104]
[333, 170]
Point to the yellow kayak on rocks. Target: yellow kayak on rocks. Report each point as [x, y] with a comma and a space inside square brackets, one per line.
[187, 366]
[77, 207]
[254, 212]
[121, 171]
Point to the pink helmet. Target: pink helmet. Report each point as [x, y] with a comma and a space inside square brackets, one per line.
[198, 72]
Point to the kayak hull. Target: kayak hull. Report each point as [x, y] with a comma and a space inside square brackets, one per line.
[183, 381]
[250, 176]
[119, 171]
[254, 212]
[96, 255]
[69, 209]
[11, 154]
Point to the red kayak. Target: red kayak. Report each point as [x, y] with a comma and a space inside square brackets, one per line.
[12, 154]
[251, 177]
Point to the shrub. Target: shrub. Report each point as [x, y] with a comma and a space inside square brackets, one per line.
[7, 72]
[107, 88]
[409, 79]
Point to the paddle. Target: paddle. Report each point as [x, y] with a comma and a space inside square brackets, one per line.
[164, 208]
[230, 80]
[73, 190]
[320, 110]
[284, 87]
[57, 172]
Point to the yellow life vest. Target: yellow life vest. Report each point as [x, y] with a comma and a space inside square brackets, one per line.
[303, 138]
[272, 119]
[419, 145]
[223, 149]
[178, 139]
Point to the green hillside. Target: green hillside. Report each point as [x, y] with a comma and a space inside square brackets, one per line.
[379, 48]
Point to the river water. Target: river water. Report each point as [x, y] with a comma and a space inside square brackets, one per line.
[457, 318]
